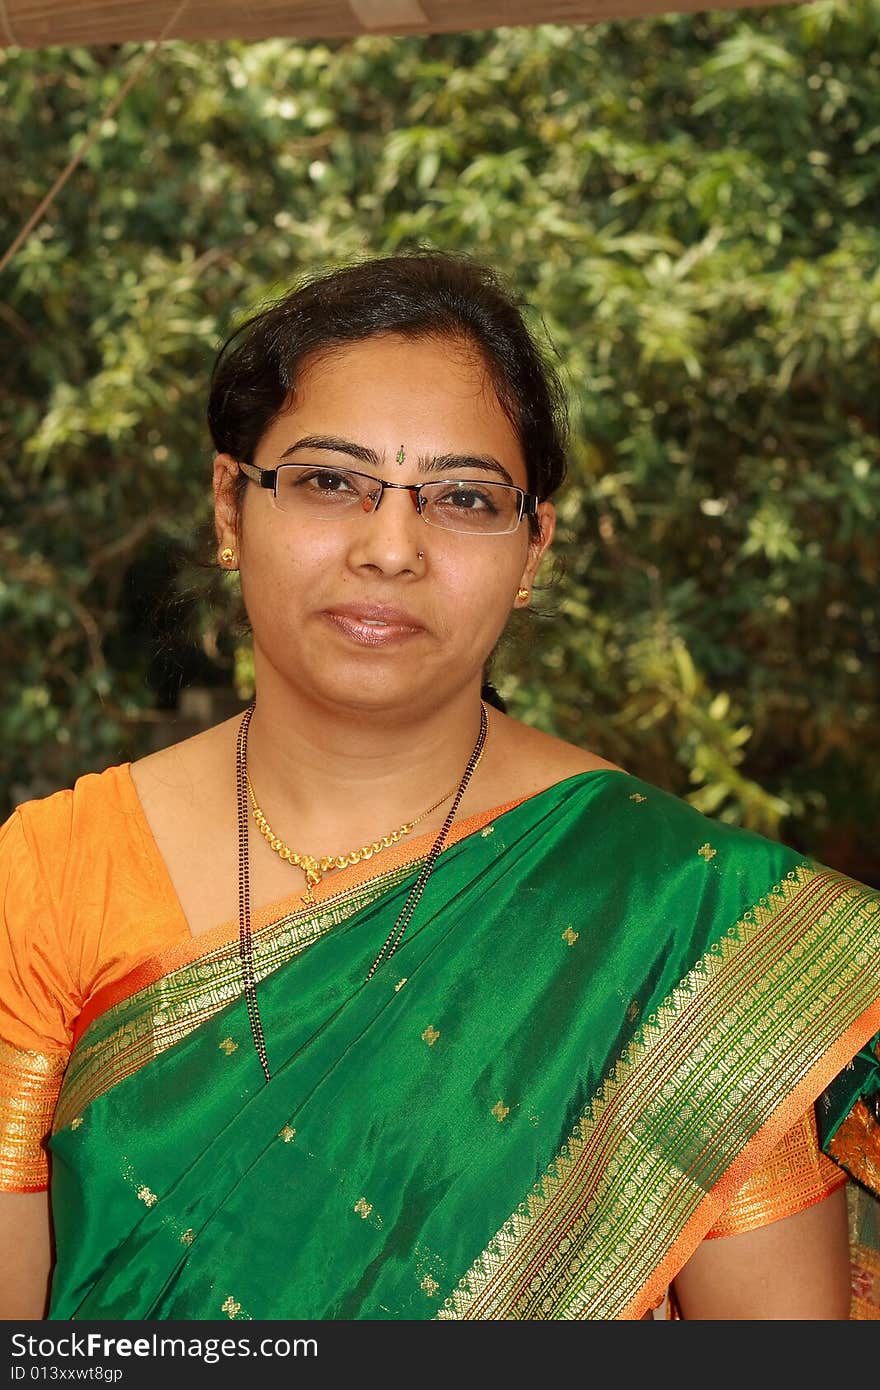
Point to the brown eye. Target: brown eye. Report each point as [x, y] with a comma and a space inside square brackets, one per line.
[327, 480]
[465, 498]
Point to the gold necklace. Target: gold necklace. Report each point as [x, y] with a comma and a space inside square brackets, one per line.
[315, 869]
[394, 937]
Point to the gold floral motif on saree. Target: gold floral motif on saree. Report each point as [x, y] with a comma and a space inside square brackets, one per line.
[232, 1308]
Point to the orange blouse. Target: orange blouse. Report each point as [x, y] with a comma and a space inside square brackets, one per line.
[87, 900]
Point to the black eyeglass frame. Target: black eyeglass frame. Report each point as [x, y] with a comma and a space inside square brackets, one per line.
[268, 478]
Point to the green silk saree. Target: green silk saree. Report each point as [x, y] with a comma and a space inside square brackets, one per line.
[605, 1012]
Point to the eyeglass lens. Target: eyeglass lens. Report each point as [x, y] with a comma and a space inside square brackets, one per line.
[334, 494]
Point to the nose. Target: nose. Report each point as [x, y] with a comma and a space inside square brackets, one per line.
[390, 540]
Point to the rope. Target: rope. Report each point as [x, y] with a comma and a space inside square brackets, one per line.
[113, 105]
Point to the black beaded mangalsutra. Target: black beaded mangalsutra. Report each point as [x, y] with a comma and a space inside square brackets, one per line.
[245, 936]
[245, 939]
[418, 887]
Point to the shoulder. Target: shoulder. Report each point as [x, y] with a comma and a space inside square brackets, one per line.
[655, 846]
[56, 850]
[544, 761]
[49, 824]
[638, 828]
[57, 863]
[525, 760]
[188, 774]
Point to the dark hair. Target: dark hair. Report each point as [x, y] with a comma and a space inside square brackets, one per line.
[422, 294]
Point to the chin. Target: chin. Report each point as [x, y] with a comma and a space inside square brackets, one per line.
[381, 693]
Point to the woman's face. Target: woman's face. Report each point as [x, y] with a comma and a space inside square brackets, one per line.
[379, 609]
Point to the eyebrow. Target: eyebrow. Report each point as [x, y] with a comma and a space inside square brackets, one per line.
[441, 463]
[360, 452]
[428, 463]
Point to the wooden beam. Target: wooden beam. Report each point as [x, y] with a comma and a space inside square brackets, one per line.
[40, 23]
[389, 14]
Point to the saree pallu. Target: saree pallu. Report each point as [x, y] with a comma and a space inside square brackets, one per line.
[605, 1013]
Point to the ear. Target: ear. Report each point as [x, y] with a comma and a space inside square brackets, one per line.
[538, 545]
[225, 506]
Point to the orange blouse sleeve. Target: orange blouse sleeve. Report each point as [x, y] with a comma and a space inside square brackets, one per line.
[38, 1004]
[795, 1176]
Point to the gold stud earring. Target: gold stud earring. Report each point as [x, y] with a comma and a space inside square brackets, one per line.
[227, 556]
[523, 594]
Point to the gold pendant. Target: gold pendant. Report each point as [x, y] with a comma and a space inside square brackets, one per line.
[313, 876]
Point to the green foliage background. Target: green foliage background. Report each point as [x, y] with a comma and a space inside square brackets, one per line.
[691, 207]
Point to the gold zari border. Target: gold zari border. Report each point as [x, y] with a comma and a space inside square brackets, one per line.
[29, 1086]
[702, 1076]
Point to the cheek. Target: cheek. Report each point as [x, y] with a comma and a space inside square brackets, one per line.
[276, 562]
[280, 584]
[485, 591]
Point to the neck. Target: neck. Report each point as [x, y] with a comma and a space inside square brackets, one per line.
[331, 772]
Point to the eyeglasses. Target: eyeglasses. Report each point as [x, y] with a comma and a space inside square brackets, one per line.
[469, 506]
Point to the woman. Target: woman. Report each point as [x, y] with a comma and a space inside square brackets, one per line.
[375, 1003]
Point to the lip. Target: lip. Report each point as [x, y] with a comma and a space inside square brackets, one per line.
[373, 624]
